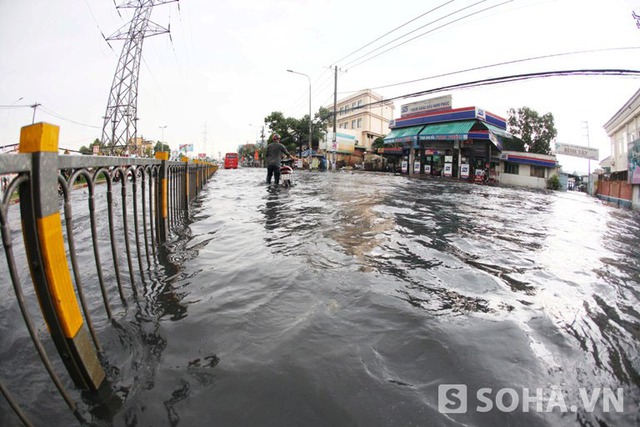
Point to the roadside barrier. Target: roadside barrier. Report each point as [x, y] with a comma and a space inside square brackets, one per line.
[126, 229]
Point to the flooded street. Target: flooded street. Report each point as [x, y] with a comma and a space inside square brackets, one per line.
[373, 300]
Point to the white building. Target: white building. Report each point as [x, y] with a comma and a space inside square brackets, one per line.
[526, 169]
[366, 114]
[623, 128]
[624, 131]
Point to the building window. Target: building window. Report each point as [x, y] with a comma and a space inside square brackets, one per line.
[512, 168]
[359, 102]
[341, 110]
[538, 171]
[353, 124]
[359, 123]
[620, 143]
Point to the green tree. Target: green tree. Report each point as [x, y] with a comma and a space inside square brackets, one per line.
[532, 131]
[295, 132]
[161, 147]
[292, 131]
[378, 142]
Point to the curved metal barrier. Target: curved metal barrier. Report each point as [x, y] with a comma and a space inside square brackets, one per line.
[137, 203]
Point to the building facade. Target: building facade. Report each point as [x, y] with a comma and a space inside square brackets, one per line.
[442, 141]
[366, 115]
[526, 169]
[432, 138]
[623, 130]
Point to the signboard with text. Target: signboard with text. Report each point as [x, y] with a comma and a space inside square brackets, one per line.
[577, 151]
[448, 169]
[464, 170]
[439, 103]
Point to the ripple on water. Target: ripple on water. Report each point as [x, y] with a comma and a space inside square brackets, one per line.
[349, 298]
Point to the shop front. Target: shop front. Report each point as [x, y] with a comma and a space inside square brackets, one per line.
[453, 143]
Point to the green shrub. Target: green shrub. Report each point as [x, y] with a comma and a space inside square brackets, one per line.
[553, 183]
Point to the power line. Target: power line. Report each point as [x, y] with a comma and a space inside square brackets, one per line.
[395, 29]
[427, 32]
[54, 114]
[413, 31]
[515, 61]
[513, 78]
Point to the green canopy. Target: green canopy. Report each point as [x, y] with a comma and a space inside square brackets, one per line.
[447, 131]
[403, 135]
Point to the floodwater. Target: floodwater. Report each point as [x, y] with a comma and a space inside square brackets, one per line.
[376, 300]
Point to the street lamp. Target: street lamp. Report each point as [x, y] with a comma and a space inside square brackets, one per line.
[310, 134]
[163, 128]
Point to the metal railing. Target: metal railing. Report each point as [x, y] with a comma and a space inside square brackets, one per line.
[79, 219]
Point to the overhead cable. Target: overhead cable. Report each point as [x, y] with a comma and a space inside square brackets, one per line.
[426, 32]
[395, 29]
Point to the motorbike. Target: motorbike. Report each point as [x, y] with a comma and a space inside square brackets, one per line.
[286, 173]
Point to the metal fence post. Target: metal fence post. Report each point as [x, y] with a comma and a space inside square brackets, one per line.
[44, 244]
[187, 184]
[163, 197]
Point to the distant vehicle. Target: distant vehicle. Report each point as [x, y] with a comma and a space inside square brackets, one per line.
[231, 161]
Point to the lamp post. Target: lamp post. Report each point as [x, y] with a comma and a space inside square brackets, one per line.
[310, 132]
[163, 128]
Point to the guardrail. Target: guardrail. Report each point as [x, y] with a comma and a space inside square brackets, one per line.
[56, 196]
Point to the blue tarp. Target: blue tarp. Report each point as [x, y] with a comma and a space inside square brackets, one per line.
[305, 153]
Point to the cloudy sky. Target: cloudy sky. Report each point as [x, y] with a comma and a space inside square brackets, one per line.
[224, 67]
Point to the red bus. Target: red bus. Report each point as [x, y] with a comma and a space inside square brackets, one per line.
[231, 161]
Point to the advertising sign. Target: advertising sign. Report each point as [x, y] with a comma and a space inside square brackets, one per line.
[447, 169]
[439, 103]
[464, 170]
[634, 161]
[344, 142]
[427, 169]
[404, 167]
[577, 151]
[416, 167]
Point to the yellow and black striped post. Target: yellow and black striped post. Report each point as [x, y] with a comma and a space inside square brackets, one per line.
[44, 243]
[162, 211]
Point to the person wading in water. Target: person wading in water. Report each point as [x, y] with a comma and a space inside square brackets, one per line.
[275, 150]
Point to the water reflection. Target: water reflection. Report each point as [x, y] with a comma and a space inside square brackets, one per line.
[362, 293]
[358, 223]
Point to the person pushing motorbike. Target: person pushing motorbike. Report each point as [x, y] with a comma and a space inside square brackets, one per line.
[275, 150]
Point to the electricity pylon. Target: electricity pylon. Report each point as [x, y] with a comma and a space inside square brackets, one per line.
[119, 129]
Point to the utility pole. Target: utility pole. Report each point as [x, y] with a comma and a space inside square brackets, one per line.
[586, 123]
[334, 142]
[34, 106]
